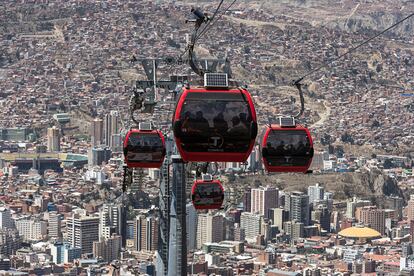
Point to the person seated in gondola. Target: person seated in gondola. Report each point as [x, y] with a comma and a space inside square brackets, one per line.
[270, 148]
[300, 148]
[280, 149]
[289, 149]
[220, 125]
[186, 122]
[237, 129]
[200, 122]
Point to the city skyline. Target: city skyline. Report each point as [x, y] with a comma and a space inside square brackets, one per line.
[77, 78]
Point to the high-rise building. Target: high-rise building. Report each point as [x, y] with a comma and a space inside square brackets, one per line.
[111, 129]
[96, 156]
[210, 228]
[177, 241]
[6, 220]
[146, 233]
[116, 144]
[53, 139]
[54, 225]
[56, 250]
[108, 249]
[82, 231]
[327, 201]
[130, 224]
[297, 204]
[412, 230]
[294, 229]
[239, 234]
[112, 220]
[251, 224]
[406, 249]
[322, 216]
[71, 253]
[247, 200]
[64, 253]
[374, 218]
[265, 229]
[278, 216]
[96, 132]
[10, 241]
[410, 208]
[252, 160]
[395, 203]
[353, 204]
[336, 218]
[264, 199]
[41, 202]
[191, 227]
[228, 228]
[315, 193]
[31, 229]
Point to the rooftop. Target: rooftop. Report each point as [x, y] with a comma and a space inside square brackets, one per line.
[359, 232]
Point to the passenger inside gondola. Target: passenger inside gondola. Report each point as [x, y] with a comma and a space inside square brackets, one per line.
[200, 121]
[219, 123]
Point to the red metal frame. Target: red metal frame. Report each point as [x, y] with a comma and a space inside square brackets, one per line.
[214, 156]
[203, 182]
[302, 169]
[143, 164]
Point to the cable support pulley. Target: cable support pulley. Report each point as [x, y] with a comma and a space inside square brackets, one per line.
[208, 27]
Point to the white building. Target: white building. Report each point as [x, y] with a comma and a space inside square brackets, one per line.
[210, 228]
[55, 225]
[297, 203]
[329, 165]
[95, 174]
[110, 221]
[350, 255]
[294, 229]
[263, 199]
[353, 204]
[53, 139]
[251, 224]
[64, 253]
[82, 231]
[315, 193]
[31, 229]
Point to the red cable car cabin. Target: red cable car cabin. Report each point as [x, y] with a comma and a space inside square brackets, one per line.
[287, 149]
[215, 125]
[144, 148]
[207, 194]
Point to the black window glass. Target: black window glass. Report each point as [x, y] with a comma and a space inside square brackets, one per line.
[215, 122]
[288, 148]
[144, 148]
